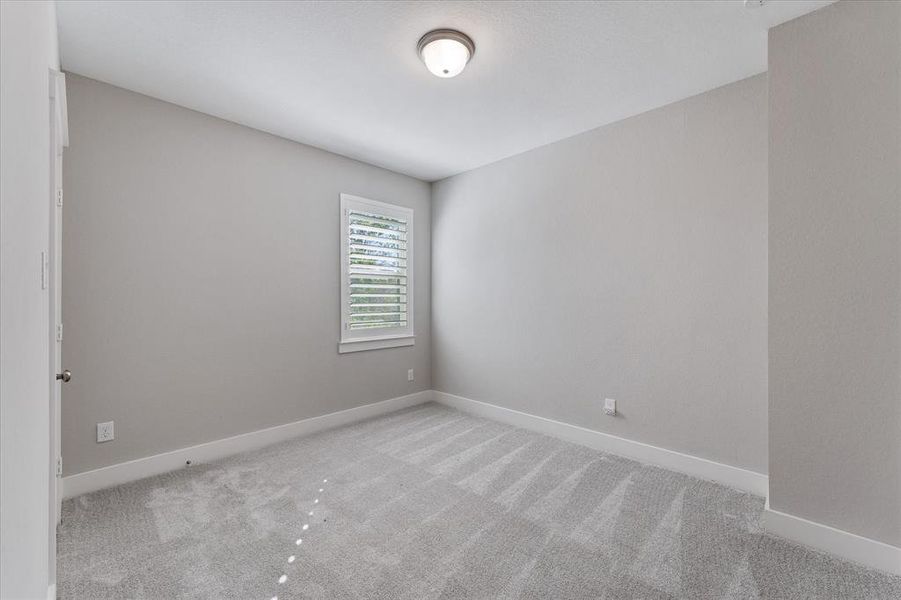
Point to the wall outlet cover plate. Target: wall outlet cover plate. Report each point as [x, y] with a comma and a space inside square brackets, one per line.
[610, 406]
[105, 432]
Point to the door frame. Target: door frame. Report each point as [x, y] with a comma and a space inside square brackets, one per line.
[52, 279]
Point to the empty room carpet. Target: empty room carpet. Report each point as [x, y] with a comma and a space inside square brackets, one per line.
[431, 503]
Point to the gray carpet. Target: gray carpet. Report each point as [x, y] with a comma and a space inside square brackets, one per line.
[431, 503]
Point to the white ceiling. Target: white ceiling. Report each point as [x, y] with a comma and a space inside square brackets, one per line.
[345, 76]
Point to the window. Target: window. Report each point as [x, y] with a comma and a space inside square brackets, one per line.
[376, 275]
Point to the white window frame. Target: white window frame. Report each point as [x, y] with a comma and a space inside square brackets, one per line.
[389, 337]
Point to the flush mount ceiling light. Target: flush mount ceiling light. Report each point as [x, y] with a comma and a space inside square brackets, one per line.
[445, 52]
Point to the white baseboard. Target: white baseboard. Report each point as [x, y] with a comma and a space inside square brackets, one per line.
[849, 546]
[846, 545]
[51, 592]
[734, 477]
[821, 537]
[89, 481]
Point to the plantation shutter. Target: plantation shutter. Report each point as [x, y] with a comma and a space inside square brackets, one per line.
[377, 270]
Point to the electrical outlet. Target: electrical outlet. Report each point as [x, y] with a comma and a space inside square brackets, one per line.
[105, 432]
[409, 374]
[610, 407]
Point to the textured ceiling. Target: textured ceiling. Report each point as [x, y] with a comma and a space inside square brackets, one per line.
[345, 76]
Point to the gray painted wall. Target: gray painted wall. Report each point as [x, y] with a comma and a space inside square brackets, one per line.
[28, 50]
[201, 283]
[628, 262]
[835, 268]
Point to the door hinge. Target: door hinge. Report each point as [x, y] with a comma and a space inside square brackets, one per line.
[59, 196]
[59, 466]
[59, 332]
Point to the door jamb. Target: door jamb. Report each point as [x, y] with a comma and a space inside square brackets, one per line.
[59, 139]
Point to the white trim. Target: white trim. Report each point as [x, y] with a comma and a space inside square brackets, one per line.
[58, 140]
[850, 546]
[348, 337]
[394, 341]
[89, 481]
[735, 477]
[58, 93]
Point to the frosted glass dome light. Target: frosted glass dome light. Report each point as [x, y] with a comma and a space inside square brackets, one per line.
[445, 52]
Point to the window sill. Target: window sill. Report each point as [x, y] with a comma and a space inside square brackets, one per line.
[378, 343]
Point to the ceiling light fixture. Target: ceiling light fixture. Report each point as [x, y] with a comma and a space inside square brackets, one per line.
[445, 52]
